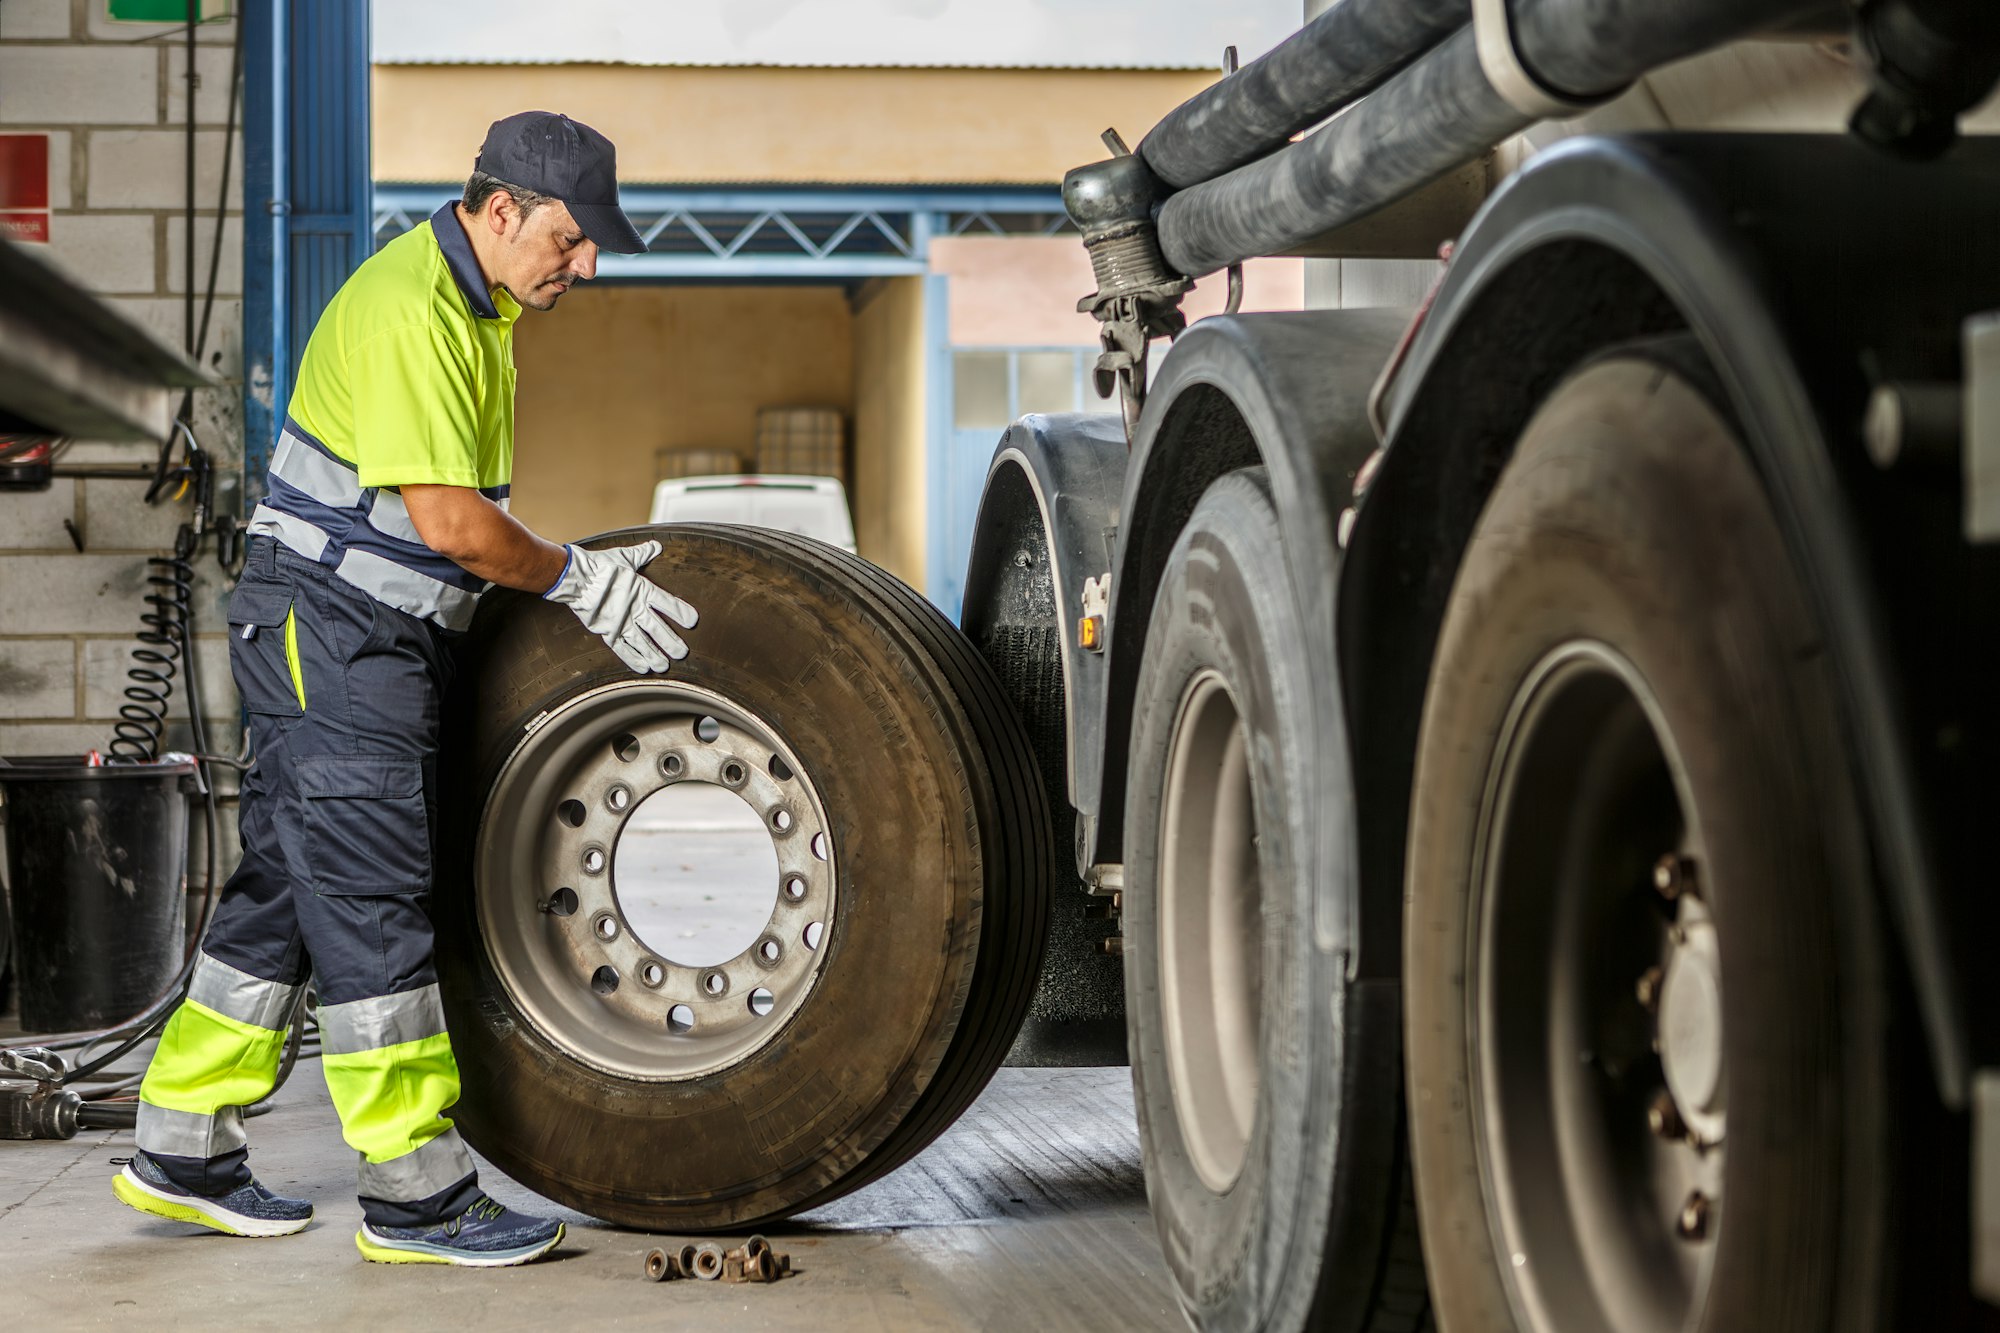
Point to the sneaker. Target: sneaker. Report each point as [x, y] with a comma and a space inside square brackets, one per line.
[485, 1235]
[249, 1210]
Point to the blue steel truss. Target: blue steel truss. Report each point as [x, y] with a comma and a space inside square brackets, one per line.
[749, 233]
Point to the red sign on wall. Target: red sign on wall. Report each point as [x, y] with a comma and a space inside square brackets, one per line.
[24, 187]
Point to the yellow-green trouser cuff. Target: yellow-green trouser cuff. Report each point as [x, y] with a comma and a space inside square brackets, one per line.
[389, 1066]
[219, 1052]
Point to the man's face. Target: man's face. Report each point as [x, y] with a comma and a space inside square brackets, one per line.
[545, 253]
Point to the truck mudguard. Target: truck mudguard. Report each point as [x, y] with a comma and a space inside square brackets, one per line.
[1808, 269]
[1048, 520]
[1288, 392]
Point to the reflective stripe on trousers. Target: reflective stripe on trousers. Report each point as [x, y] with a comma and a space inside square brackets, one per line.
[387, 1060]
[384, 1057]
[218, 1054]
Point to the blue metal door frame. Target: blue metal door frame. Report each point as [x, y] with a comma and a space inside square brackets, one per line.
[308, 192]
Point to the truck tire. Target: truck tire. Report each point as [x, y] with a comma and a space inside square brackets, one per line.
[911, 833]
[1635, 830]
[1268, 1086]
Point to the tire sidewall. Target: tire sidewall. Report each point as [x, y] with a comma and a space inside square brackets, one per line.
[793, 1119]
[1226, 606]
[1631, 517]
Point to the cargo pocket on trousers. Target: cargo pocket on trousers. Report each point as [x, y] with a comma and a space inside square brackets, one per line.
[263, 650]
[365, 826]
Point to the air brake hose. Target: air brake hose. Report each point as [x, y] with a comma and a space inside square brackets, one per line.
[1443, 111]
[1333, 61]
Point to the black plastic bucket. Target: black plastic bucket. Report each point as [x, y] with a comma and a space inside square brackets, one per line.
[96, 868]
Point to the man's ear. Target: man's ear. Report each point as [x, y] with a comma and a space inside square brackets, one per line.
[502, 213]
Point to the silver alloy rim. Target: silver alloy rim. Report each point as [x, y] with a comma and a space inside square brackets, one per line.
[1593, 989]
[547, 901]
[1211, 937]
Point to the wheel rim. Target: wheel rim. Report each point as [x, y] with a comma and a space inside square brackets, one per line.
[1210, 936]
[1594, 984]
[548, 906]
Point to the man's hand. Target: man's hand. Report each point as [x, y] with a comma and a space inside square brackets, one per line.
[623, 607]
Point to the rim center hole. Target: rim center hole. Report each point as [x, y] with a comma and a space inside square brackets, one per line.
[696, 874]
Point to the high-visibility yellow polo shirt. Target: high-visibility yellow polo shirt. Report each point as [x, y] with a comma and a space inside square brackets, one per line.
[408, 378]
[409, 374]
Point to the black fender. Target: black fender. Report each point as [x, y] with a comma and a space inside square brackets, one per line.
[1803, 266]
[1290, 392]
[1048, 519]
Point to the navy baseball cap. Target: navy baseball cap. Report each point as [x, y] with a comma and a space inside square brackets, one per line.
[566, 159]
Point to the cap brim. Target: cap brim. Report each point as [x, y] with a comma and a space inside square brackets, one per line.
[607, 225]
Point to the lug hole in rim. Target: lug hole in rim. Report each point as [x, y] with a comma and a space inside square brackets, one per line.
[626, 747]
[781, 820]
[604, 980]
[715, 984]
[606, 927]
[795, 888]
[734, 774]
[571, 812]
[769, 951]
[593, 861]
[708, 731]
[673, 765]
[762, 1002]
[652, 975]
[619, 798]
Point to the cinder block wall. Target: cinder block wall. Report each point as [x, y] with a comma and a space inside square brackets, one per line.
[114, 97]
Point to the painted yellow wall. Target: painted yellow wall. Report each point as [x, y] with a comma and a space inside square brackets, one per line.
[903, 126]
[889, 426]
[614, 373]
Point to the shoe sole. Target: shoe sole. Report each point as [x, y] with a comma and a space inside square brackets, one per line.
[134, 1192]
[380, 1250]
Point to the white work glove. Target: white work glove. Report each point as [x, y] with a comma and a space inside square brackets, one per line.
[622, 606]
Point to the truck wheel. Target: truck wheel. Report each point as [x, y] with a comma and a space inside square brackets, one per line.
[906, 912]
[1267, 1086]
[1647, 1010]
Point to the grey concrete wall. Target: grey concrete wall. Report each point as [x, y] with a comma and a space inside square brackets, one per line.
[113, 97]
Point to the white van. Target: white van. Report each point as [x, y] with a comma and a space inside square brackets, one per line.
[808, 506]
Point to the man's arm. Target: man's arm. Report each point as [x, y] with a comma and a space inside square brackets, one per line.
[483, 539]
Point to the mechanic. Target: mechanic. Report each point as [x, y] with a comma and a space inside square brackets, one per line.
[385, 518]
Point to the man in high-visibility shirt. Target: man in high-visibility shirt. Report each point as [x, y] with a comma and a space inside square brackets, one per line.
[386, 516]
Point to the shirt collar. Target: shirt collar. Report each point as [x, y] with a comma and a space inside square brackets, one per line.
[457, 248]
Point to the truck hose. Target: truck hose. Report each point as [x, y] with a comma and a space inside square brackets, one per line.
[1442, 111]
[1334, 60]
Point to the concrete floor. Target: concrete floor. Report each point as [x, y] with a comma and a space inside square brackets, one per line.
[1029, 1214]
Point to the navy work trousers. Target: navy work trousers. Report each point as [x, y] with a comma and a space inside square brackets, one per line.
[338, 817]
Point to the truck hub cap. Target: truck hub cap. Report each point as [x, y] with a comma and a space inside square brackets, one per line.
[1211, 936]
[1595, 994]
